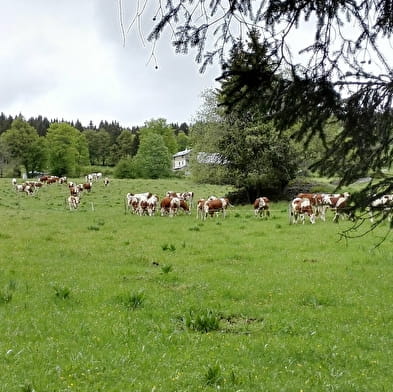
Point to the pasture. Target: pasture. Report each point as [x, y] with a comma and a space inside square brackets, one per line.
[100, 300]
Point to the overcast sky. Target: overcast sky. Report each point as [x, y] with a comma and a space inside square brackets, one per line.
[65, 59]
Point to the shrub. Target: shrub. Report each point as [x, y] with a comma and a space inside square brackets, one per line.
[125, 169]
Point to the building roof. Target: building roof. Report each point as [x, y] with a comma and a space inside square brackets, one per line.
[211, 158]
[182, 153]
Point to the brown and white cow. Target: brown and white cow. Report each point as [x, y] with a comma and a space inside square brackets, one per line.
[215, 206]
[87, 186]
[73, 202]
[200, 209]
[339, 203]
[381, 206]
[299, 208]
[165, 205]
[261, 207]
[318, 203]
[184, 207]
[152, 203]
[186, 196]
[174, 206]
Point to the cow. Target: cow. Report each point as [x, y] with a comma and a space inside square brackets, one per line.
[184, 207]
[299, 208]
[186, 196]
[26, 188]
[200, 209]
[318, 203]
[51, 180]
[87, 186]
[339, 203]
[73, 202]
[132, 200]
[174, 206]
[215, 206]
[261, 207]
[13, 181]
[132, 204]
[384, 206]
[143, 204]
[106, 181]
[152, 202]
[165, 205]
[74, 189]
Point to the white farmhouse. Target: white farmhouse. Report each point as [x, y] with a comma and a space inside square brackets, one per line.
[181, 159]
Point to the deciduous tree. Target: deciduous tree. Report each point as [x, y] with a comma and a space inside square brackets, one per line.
[68, 149]
[22, 144]
[153, 159]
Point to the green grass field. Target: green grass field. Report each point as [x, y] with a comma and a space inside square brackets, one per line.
[99, 300]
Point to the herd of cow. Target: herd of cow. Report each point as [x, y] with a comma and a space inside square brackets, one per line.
[304, 206]
[315, 205]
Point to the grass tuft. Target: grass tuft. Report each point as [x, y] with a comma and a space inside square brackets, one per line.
[166, 269]
[133, 301]
[202, 321]
[169, 247]
[62, 292]
[5, 297]
[213, 376]
[28, 387]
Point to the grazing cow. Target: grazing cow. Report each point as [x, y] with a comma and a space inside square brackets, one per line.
[14, 182]
[132, 204]
[215, 206]
[200, 209]
[87, 186]
[73, 202]
[299, 208]
[152, 202]
[132, 201]
[174, 206]
[261, 207]
[52, 179]
[318, 204]
[26, 188]
[339, 203]
[143, 204]
[74, 190]
[383, 205]
[187, 196]
[106, 181]
[165, 205]
[184, 207]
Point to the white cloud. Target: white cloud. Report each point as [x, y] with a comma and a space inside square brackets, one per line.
[66, 60]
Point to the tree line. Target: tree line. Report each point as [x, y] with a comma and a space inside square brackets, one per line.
[66, 148]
